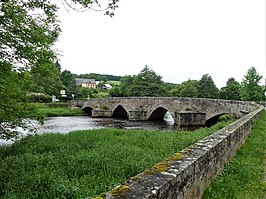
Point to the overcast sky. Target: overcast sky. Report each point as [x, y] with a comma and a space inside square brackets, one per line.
[178, 39]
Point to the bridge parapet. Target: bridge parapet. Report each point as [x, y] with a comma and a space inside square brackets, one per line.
[189, 172]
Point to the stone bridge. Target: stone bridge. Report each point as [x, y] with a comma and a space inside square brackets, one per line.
[185, 111]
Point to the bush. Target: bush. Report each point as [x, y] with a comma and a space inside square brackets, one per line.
[225, 118]
[57, 105]
[39, 97]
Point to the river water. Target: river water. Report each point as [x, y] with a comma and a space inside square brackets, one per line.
[68, 124]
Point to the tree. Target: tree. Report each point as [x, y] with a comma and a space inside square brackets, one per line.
[251, 90]
[115, 92]
[12, 98]
[188, 88]
[207, 88]
[84, 93]
[231, 91]
[125, 86]
[46, 79]
[69, 81]
[147, 83]
[29, 28]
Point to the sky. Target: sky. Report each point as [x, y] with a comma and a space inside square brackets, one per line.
[178, 39]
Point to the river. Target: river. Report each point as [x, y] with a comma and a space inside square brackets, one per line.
[68, 124]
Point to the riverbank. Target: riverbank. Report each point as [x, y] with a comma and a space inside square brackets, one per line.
[85, 163]
[243, 177]
[41, 110]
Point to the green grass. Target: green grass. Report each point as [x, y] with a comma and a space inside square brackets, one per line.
[114, 83]
[85, 163]
[54, 112]
[41, 110]
[243, 177]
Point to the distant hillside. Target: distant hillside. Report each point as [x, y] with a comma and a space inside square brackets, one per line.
[100, 77]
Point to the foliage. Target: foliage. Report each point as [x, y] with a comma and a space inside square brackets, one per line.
[69, 81]
[38, 97]
[125, 86]
[85, 92]
[100, 77]
[207, 88]
[106, 6]
[115, 92]
[231, 91]
[113, 82]
[42, 111]
[225, 118]
[251, 90]
[12, 96]
[28, 31]
[85, 163]
[243, 177]
[46, 79]
[146, 83]
[101, 94]
[186, 89]
[29, 28]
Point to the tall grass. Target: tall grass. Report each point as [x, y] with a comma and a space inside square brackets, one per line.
[243, 177]
[40, 110]
[85, 163]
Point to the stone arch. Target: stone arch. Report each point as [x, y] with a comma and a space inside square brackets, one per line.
[158, 114]
[120, 112]
[88, 110]
[213, 120]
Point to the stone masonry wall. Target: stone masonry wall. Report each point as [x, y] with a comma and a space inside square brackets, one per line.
[188, 173]
[141, 108]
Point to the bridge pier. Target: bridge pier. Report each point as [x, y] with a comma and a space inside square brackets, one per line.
[190, 118]
[137, 115]
[101, 113]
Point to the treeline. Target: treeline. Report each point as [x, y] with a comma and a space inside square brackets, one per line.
[148, 83]
[99, 77]
[45, 80]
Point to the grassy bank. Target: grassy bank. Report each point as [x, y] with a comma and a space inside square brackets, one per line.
[85, 163]
[243, 177]
[40, 110]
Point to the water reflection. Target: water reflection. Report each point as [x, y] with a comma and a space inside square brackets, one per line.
[68, 124]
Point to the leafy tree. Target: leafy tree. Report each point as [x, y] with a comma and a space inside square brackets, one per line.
[84, 93]
[100, 77]
[175, 92]
[28, 31]
[12, 98]
[147, 83]
[69, 81]
[46, 78]
[29, 28]
[188, 89]
[251, 90]
[231, 91]
[115, 92]
[125, 86]
[207, 88]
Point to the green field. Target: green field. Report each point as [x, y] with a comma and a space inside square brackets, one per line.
[113, 83]
[85, 163]
[243, 177]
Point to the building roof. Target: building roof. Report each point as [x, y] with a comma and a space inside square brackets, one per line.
[85, 81]
[107, 85]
